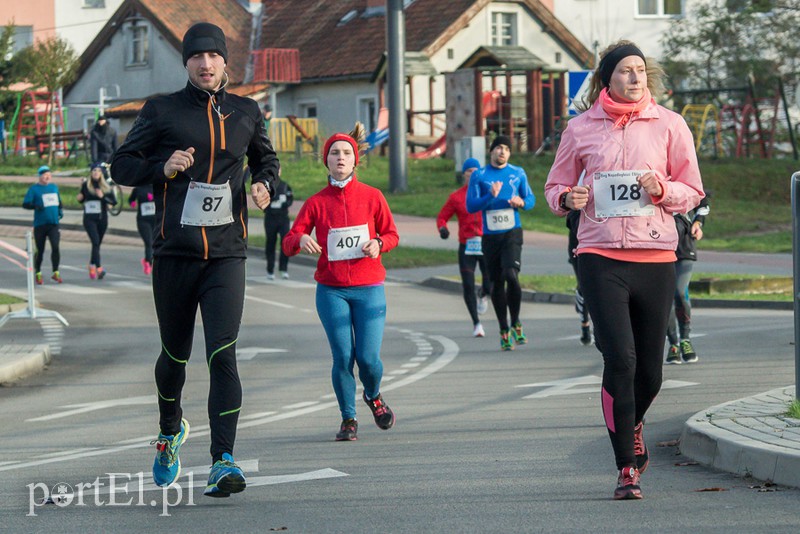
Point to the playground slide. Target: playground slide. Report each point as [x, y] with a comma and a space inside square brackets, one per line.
[434, 151]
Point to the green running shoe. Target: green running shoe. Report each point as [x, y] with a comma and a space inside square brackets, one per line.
[518, 335]
[505, 340]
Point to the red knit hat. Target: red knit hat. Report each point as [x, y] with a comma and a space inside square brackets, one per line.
[339, 137]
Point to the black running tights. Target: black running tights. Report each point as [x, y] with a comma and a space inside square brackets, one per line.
[629, 304]
[180, 285]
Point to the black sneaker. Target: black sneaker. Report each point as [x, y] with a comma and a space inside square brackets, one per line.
[640, 448]
[384, 416]
[674, 355]
[586, 335]
[348, 431]
[628, 484]
[687, 350]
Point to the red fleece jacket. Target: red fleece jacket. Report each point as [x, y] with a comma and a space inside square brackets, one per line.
[333, 207]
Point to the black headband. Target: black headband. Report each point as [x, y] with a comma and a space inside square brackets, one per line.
[610, 60]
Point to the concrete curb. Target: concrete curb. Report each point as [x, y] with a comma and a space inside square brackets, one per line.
[17, 361]
[750, 437]
[448, 284]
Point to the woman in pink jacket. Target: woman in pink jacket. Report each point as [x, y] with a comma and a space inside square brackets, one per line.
[628, 164]
[353, 226]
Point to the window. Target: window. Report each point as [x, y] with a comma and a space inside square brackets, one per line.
[504, 29]
[138, 44]
[659, 8]
[307, 110]
[22, 38]
[94, 4]
[366, 112]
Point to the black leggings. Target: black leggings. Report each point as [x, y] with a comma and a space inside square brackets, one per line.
[503, 254]
[40, 234]
[273, 227]
[467, 264]
[146, 226]
[629, 304]
[96, 229]
[217, 286]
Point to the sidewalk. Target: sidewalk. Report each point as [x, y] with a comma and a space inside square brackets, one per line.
[749, 436]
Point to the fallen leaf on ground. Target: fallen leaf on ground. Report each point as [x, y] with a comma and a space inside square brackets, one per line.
[711, 489]
[684, 464]
[670, 443]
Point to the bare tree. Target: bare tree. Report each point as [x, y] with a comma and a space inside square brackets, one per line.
[723, 43]
[51, 64]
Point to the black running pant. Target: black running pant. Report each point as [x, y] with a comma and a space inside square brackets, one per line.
[629, 304]
[146, 227]
[467, 264]
[180, 285]
[95, 229]
[503, 254]
[273, 227]
[40, 234]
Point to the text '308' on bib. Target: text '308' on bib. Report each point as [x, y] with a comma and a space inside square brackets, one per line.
[500, 219]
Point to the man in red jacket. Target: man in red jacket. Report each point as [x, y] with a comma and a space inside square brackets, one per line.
[470, 230]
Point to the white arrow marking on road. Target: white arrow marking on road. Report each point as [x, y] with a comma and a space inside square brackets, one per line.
[251, 352]
[92, 406]
[569, 386]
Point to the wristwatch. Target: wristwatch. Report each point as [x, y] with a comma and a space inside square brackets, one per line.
[562, 202]
[380, 243]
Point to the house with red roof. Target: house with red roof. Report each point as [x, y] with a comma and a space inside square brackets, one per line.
[337, 50]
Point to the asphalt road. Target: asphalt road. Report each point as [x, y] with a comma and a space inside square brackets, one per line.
[485, 441]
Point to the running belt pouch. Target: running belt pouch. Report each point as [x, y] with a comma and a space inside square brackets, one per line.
[687, 246]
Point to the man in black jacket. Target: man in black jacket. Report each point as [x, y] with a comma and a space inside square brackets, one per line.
[191, 145]
[102, 140]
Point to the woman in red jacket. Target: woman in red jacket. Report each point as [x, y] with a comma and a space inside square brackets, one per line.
[353, 226]
[470, 253]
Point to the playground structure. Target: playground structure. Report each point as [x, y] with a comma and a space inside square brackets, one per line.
[745, 126]
[516, 97]
[31, 125]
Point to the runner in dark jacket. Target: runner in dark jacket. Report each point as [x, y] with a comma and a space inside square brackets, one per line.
[191, 145]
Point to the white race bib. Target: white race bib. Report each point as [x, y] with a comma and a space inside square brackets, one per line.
[345, 243]
[93, 207]
[148, 209]
[500, 219]
[207, 205]
[50, 199]
[473, 246]
[618, 194]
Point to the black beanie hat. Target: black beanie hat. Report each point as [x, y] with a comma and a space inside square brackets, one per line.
[501, 140]
[204, 37]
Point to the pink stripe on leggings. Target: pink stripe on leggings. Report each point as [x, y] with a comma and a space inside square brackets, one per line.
[608, 410]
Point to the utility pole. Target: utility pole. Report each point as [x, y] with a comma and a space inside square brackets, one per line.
[396, 49]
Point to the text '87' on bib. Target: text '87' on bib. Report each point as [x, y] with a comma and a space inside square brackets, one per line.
[207, 205]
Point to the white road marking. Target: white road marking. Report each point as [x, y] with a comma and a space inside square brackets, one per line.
[249, 353]
[571, 386]
[450, 351]
[93, 406]
[271, 302]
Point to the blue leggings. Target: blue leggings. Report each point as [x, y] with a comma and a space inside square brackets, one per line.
[353, 319]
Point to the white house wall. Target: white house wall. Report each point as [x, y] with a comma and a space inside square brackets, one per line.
[78, 24]
[607, 21]
[163, 74]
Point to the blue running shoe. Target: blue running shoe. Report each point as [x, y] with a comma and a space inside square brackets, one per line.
[225, 478]
[167, 465]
